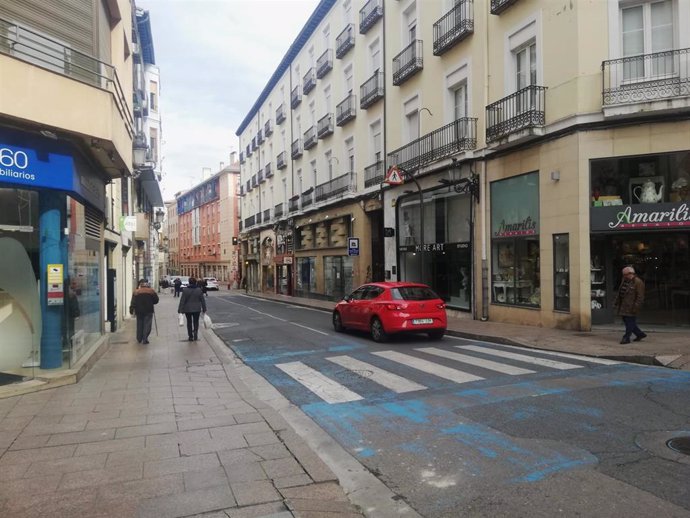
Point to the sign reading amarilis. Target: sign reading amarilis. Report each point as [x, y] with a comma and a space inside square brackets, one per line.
[526, 227]
[629, 217]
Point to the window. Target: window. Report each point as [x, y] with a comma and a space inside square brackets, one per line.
[313, 173]
[460, 101]
[327, 98]
[376, 141]
[153, 96]
[329, 163]
[526, 66]
[375, 56]
[347, 12]
[561, 269]
[349, 79]
[647, 29]
[350, 147]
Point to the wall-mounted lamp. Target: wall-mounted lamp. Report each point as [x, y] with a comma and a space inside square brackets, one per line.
[555, 175]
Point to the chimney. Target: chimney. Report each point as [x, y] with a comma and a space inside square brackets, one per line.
[205, 173]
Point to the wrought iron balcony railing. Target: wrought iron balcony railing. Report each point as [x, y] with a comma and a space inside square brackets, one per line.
[337, 186]
[647, 77]
[242, 159]
[371, 91]
[249, 222]
[258, 218]
[521, 110]
[281, 160]
[278, 210]
[369, 15]
[324, 64]
[498, 6]
[268, 128]
[373, 174]
[268, 171]
[249, 150]
[454, 26]
[346, 110]
[280, 114]
[260, 137]
[408, 62]
[459, 135]
[255, 182]
[296, 148]
[345, 41]
[293, 204]
[325, 126]
[307, 197]
[267, 215]
[254, 143]
[242, 193]
[310, 138]
[309, 81]
[260, 176]
[295, 97]
[249, 185]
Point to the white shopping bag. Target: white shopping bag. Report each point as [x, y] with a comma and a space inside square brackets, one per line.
[207, 321]
[180, 319]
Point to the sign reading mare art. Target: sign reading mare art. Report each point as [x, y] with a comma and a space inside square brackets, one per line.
[643, 216]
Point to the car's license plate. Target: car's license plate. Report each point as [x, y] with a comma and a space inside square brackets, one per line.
[421, 321]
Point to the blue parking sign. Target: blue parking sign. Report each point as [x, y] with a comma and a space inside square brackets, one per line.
[352, 246]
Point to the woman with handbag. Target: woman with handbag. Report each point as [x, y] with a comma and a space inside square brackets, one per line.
[192, 303]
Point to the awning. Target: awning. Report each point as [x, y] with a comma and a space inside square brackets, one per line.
[151, 187]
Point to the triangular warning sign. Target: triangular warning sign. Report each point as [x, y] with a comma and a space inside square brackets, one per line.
[394, 176]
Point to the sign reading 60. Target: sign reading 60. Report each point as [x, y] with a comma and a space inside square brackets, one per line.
[11, 158]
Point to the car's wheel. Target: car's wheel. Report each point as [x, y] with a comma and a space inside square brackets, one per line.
[378, 333]
[337, 323]
[436, 335]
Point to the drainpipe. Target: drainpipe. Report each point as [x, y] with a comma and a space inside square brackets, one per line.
[485, 186]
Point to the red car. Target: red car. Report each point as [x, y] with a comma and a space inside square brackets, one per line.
[385, 308]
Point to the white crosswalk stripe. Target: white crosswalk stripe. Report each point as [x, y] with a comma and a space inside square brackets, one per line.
[324, 387]
[520, 357]
[382, 377]
[478, 362]
[429, 367]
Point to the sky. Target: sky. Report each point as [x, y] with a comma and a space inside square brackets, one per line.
[215, 58]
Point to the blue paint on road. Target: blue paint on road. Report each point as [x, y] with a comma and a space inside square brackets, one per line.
[415, 411]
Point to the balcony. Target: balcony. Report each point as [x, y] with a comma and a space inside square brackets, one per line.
[324, 127]
[369, 15]
[646, 83]
[242, 159]
[254, 144]
[309, 81]
[371, 91]
[408, 62]
[260, 176]
[249, 150]
[373, 174]
[268, 171]
[268, 128]
[258, 218]
[307, 197]
[310, 138]
[280, 114]
[459, 135]
[345, 41]
[267, 215]
[523, 110]
[249, 186]
[296, 148]
[249, 222]
[337, 186]
[260, 137]
[498, 6]
[346, 110]
[295, 97]
[324, 64]
[293, 204]
[255, 182]
[281, 160]
[242, 193]
[453, 27]
[278, 211]
[241, 226]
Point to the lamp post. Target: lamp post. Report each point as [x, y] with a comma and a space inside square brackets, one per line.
[419, 189]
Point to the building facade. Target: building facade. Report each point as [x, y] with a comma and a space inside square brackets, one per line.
[527, 173]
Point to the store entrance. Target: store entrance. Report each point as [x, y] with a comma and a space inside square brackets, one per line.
[662, 261]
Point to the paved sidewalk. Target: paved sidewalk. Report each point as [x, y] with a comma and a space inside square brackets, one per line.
[663, 346]
[167, 429]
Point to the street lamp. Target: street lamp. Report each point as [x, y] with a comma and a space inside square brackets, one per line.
[419, 189]
[139, 150]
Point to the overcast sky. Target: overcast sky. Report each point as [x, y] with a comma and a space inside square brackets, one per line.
[215, 58]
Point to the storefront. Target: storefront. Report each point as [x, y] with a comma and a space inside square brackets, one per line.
[435, 244]
[640, 217]
[51, 266]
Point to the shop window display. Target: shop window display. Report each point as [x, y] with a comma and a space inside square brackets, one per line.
[306, 275]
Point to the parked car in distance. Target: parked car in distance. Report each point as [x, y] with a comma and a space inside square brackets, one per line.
[184, 279]
[386, 308]
[211, 283]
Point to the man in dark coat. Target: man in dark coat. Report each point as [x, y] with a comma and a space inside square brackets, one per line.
[177, 283]
[192, 303]
[629, 301]
[143, 300]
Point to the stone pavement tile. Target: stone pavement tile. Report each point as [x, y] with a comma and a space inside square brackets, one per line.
[245, 429]
[271, 451]
[81, 437]
[167, 417]
[209, 422]
[37, 454]
[257, 492]
[90, 416]
[275, 420]
[247, 472]
[87, 462]
[187, 503]
[326, 514]
[28, 409]
[282, 468]
[49, 429]
[146, 488]
[252, 417]
[309, 460]
[8, 424]
[40, 504]
[269, 510]
[13, 471]
[181, 403]
[221, 442]
[97, 477]
[157, 468]
[7, 438]
[327, 491]
[261, 439]
[292, 481]
[158, 409]
[11, 489]
[110, 446]
[194, 480]
[48, 419]
[119, 422]
[147, 429]
[59, 409]
[124, 406]
[321, 508]
[170, 451]
[229, 458]
[30, 441]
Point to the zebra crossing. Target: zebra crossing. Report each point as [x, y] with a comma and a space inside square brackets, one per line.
[506, 362]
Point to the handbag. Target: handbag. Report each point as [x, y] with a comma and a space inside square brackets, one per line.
[207, 321]
[180, 319]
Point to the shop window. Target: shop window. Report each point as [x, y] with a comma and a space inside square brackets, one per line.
[306, 275]
[561, 272]
[337, 276]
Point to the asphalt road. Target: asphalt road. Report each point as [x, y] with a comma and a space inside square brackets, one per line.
[464, 428]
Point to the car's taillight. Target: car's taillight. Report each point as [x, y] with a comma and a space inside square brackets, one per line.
[441, 306]
[394, 307]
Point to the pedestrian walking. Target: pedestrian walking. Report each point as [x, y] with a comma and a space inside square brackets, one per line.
[192, 303]
[245, 285]
[204, 287]
[143, 300]
[177, 284]
[629, 301]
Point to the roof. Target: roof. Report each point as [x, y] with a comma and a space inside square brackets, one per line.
[145, 37]
[312, 23]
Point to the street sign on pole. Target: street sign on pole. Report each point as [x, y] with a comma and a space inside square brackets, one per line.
[352, 246]
[394, 176]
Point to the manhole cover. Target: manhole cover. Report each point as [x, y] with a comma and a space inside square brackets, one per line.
[679, 444]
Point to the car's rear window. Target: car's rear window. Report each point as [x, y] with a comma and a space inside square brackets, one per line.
[413, 293]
